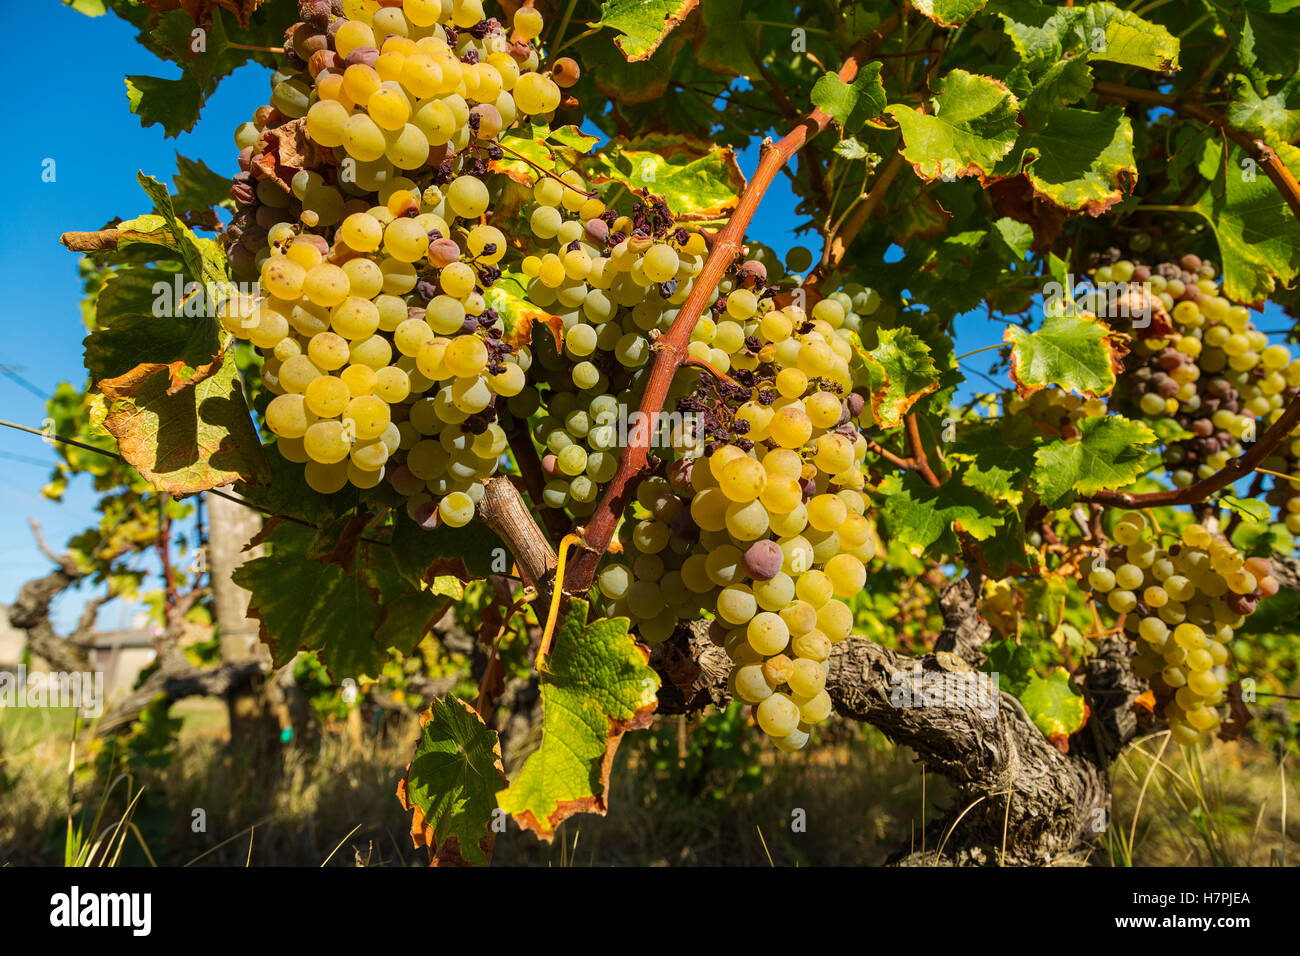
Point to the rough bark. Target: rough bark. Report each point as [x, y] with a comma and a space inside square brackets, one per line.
[30, 612]
[1009, 778]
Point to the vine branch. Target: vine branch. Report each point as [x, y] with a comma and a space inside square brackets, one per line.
[671, 349]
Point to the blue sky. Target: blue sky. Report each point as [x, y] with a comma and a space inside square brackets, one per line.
[77, 116]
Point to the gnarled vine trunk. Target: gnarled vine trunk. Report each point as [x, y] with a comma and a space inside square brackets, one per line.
[1019, 800]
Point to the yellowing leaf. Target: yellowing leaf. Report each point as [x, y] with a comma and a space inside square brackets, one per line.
[643, 23]
[595, 686]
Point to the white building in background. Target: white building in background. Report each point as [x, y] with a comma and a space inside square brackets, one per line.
[120, 655]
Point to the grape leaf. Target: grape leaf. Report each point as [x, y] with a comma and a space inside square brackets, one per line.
[199, 189]
[698, 180]
[473, 551]
[723, 38]
[613, 76]
[1065, 82]
[286, 492]
[850, 148]
[973, 126]
[1044, 34]
[205, 262]
[351, 609]
[595, 686]
[451, 783]
[949, 13]
[643, 23]
[1053, 704]
[1004, 553]
[921, 518]
[1038, 31]
[1265, 35]
[188, 350]
[1246, 507]
[174, 104]
[1275, 117]
[902, 372]
[1258, 235]
[996, 467]
[310, 605]
[1080, 160]
[851, 104]
[190, 440]
[1120, 36]
[1076, 352]
[508, 296]
[550, 149]
[1110, 454]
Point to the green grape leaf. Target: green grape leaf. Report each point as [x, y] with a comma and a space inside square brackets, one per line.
[698, 180]
[1017, 236]
[190, 440]
[1053, 704]
[1120, 36]
[1064, 82]
[902, 372]
[174, 104]
[1249, 508]
[643, 23]
[627, 82]
[926, 520]
[308, 605]
[1264, 34]
[1037, 31]
[204, 55]
[850, 148]
[1004, 553]
[509, 297]
[467, 553]
[972, 126]
[996, 468]
[132, 291]
[199, 189]
[188, 350]
[408, 618]
[287, 493]
[1276, 117]
[851, 104]
[1077, 352]
[723, 39]
[205, 261]
[1079, 160]
[451, 784]
[949, 13]
[1043, 34]
[553, 150]
[595, 686]
[1258, 235]
[1110, 454]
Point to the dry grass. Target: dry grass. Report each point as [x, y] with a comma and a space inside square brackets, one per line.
[849, 803]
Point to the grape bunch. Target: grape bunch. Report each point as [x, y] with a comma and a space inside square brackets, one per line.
[373, 259]
[1203, 363]
[614, 281]
[760, 518]
[1182, 605]
[1055, 412]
